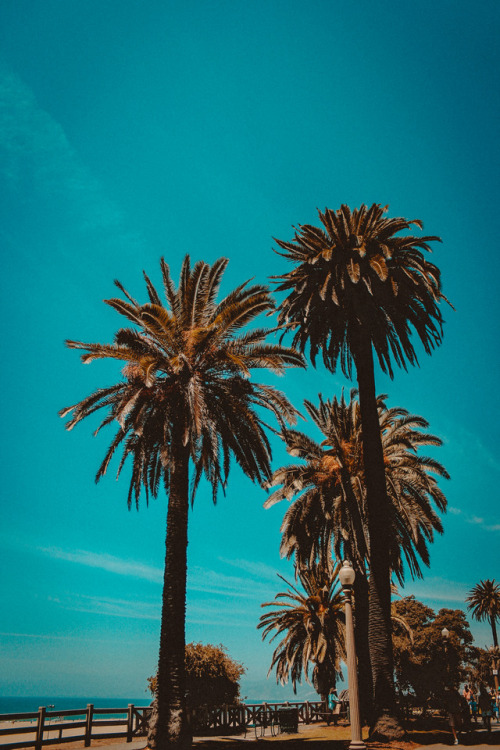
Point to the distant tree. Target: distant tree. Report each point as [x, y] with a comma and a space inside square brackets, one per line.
[481, 662]
[312, 624]
[484, 604]
[212, 677]
[425, 663]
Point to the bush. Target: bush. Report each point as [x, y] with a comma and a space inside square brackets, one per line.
[212, 677]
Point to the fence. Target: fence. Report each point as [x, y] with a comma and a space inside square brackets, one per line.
[84, 724]
[87, 724]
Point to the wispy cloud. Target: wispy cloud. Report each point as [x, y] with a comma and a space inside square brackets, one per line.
[199, 579]
[42, 636]
[437, 589]
[474, 520]
[106, 562]
[36, 155]
[258, 569]
[103, 605]
[472, 448]
[212, 582]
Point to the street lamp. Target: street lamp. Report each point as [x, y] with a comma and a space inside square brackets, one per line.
[347, 576]
[495, 653]
[446, 634]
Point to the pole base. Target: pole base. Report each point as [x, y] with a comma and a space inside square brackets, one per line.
[357, 745]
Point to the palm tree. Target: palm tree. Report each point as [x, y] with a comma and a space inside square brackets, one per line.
[357, 286]
[186, 405]
[484, 604]
[328, 494]
[312, 621]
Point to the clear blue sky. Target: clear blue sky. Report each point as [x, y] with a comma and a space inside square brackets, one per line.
[134, 130]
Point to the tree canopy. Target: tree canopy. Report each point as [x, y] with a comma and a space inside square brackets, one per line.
[425, 662]
[212, 677]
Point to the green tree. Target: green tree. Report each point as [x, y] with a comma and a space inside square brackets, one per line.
[327, 491]
[482, 661]
[312, 622]
[358, 286]
[212, 677]
[484, 604]
[425, 662]
[186, 401]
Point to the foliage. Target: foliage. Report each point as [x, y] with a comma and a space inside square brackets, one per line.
[359, 286]
[484, 603]
[312, 622]
[186, 368]
[186, 406]
[328, 493]
[426, 663]
[481, 663]
[212, 677]
[357, 269]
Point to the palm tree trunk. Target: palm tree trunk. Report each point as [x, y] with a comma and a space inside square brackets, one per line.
[384, 722]
[361, 615]
[171, 729]
[494, 631]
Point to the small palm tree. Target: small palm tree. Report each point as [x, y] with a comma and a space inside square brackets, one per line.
[186, 405]
[359, 286]
[484, 604]
[312, 622]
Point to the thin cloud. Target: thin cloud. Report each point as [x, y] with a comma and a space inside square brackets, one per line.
[212, 582]
[35, 151]
[258, 569]
[105, 562]
[437, 590]
[103, 605]
[199, 579]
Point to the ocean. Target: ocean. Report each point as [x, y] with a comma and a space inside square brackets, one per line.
[17, 705]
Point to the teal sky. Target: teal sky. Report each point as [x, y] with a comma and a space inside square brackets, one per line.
[132, 130]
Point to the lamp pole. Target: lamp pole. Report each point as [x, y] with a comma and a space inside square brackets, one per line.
[446, 634]
[347, 576]
[494, 665]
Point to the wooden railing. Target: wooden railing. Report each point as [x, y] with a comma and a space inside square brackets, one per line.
[54, 727]
[87, 724]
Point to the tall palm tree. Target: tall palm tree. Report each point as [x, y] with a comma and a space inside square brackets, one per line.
[312, 622]
[358, 285]
[186, 405]
[484, 603]
[328, 494]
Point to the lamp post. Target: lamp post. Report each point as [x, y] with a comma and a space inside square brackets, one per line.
[495, 653]
[446, 634]
[347, 576]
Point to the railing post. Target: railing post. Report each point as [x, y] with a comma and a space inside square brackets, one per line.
[88, 724]
[130, 720]
[307, 715]
[39, 727]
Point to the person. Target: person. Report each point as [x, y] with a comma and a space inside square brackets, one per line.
[467, 693]
[484, 702]
[333, 701]
[495, 704]
[453, 705]
[473, 708]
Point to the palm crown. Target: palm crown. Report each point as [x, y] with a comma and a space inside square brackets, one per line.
[358, 271]
[312, 622]
[484, 603]
[187, 374]
[328, 492]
